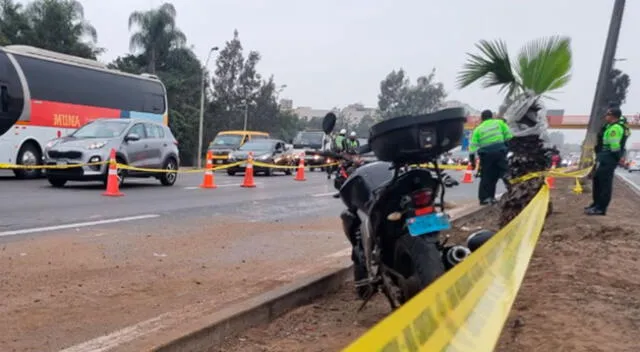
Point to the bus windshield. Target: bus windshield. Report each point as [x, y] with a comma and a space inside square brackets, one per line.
[226, 140]
[308, 139]
[101, 129]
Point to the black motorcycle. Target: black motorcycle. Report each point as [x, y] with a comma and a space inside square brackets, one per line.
[392, 220]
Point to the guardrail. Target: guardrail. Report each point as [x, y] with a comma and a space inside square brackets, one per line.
[465, 309]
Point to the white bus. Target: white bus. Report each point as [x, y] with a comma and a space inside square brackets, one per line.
[45, 95]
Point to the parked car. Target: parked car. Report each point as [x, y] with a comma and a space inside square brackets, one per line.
[269, 151]
[137, 142]
[228, 141]
[634, 164]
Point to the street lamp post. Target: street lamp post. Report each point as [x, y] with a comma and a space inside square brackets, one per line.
[608, 57]
[201, 122]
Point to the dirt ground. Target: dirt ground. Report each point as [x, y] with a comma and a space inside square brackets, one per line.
[580, 292]
[63, 289]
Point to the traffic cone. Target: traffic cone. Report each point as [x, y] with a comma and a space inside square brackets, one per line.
[300, 172]
[113, 183]
[248, 173]
[209, 181]
[550, 180]
[468, 174]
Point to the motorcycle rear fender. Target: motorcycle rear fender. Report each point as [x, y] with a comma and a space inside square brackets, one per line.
[350, 225]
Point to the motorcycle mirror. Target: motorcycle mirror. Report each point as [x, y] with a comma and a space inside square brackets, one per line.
[329, 122]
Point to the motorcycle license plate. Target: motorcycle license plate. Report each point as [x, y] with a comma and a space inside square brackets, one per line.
[422, 224]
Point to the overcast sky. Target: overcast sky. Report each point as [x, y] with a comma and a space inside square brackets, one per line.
[336, 52]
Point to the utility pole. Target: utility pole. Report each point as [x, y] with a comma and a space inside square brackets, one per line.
[598, 106]
[246, 114]
[201, 125]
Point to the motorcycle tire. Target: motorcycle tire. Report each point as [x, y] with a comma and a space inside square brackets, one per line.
[419, 261]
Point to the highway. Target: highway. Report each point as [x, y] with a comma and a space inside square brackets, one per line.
[77, 267]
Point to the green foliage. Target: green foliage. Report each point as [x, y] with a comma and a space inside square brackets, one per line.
[56, 25]
[543, 66]
[617, 88]
[398, 97]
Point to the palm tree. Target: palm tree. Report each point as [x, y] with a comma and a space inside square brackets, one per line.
[157, 33]
[542, 67]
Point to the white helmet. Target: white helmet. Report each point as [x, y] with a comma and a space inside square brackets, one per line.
[343, 131]
[353, 134]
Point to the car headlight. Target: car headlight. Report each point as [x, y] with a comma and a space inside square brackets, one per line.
[230, 155]
[264, 157]
[316, 157]
[97, 145]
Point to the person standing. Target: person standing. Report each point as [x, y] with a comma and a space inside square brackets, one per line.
[608, 154]
[489, 140]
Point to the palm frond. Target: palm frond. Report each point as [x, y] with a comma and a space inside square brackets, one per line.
[544, 65]
[492, 67]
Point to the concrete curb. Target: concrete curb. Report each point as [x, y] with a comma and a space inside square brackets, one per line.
[632, 186]
[266, 307]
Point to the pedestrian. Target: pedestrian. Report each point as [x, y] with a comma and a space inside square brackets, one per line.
[608, 153]
[489, 140]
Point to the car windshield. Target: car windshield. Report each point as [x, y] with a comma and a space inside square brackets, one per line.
[101, 129]
[254, 146]
[226, 140]
[307, 139]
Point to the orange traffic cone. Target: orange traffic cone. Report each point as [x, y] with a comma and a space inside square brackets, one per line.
[208, 181]
[113, 183]
[468, 174]
[550, 180]
[300, 172]
[248, 173]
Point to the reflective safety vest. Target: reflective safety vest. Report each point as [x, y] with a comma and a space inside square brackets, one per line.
[612, 138]
[339, 141]
[489, 132]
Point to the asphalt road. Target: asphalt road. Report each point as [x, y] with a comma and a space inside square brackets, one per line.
[632, 177]
[26, 205]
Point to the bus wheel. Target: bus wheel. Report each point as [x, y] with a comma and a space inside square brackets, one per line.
[29, 155]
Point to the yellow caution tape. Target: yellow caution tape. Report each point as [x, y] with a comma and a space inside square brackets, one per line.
[465, 309]
[219, 167]
[274, 166]
[40, 167]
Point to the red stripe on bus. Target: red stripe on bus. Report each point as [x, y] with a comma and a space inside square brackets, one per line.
[62, 115]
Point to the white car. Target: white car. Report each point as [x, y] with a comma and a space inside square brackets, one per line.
[634, 165]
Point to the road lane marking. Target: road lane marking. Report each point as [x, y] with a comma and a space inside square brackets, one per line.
[323, 194]
[77, 224]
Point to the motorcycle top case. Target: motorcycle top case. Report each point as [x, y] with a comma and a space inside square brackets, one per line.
[418, 138]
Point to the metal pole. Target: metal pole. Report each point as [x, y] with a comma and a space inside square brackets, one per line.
[246, 114]
[598, 106]
[201, 122]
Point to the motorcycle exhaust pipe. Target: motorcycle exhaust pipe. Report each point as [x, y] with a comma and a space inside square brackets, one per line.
[454, 255]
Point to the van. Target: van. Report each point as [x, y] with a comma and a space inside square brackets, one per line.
[228, 141]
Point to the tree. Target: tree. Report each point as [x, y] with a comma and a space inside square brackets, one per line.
[157, 33]
[617, 88]
[542, 67]
[57, 25]
[13, 23]
[398, 97]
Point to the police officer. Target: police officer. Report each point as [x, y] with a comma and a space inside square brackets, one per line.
[351, 144]
[489, 141]
[608, 153]
[338, 142]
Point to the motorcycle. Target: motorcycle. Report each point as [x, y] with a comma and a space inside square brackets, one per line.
[391, 219]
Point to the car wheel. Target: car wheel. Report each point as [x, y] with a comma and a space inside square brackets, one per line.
[312, 169]
[57, 182]
[231, 173]
[169, 178]
[29, 154]
[268, 172]
[288, 172]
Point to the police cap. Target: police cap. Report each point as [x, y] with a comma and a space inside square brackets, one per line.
[486, 114]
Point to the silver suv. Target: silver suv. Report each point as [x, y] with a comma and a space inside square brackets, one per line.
[137, 142]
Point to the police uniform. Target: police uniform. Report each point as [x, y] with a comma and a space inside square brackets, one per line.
[489, 141]
[608, 154]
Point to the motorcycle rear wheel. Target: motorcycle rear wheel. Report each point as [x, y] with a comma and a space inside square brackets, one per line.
[419, 261]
